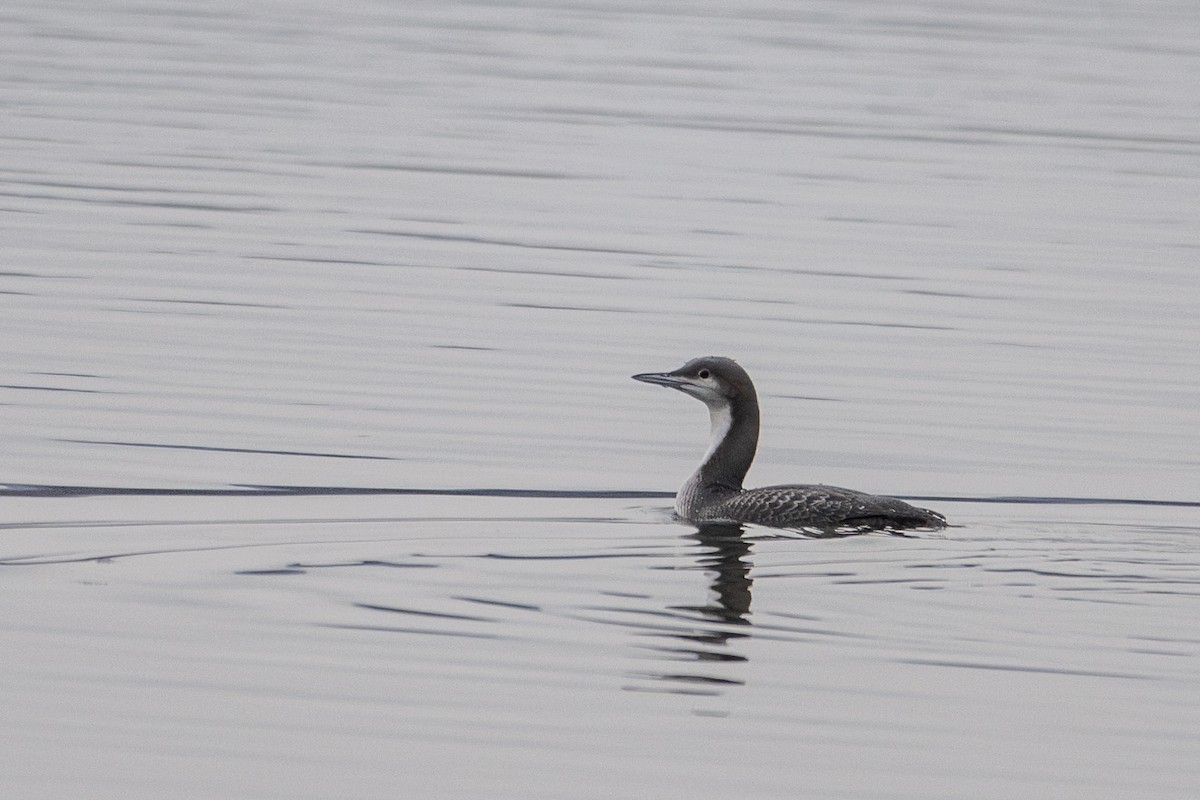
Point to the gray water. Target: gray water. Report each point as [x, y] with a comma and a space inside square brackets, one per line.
[396, 261]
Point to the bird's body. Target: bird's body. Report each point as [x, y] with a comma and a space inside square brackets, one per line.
[714, 493]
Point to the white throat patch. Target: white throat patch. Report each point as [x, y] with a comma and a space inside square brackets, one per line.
[722, 421]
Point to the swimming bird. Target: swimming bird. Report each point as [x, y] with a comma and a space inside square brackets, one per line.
[715, 493]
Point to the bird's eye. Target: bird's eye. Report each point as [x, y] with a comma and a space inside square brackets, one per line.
[704, 374]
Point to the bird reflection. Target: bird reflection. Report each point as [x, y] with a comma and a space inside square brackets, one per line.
[710, 628]
[724, 560]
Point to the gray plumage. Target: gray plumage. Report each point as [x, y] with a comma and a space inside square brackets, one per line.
[714, 493]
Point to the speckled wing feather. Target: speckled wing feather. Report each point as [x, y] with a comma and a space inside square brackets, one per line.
[820, 506]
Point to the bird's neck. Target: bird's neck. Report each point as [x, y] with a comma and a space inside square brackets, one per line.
[732, 446]
[730, 453]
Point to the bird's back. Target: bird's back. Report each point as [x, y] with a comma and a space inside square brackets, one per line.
[817, 506]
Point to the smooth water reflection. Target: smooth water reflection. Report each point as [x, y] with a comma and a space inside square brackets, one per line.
[479, 625]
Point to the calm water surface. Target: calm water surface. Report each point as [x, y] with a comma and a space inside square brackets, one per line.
[392, 258]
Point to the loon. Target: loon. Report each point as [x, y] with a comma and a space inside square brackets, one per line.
[715, 494]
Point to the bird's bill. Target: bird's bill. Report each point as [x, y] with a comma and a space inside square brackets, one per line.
[661, 379]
